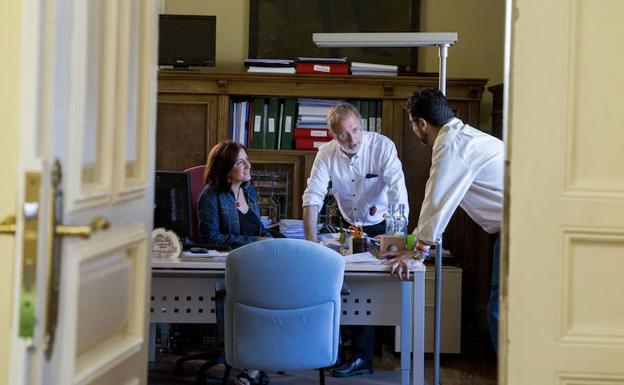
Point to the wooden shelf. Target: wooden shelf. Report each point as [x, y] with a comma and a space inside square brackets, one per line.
[282, 152]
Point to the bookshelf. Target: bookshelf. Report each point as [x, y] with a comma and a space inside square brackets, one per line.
[194, 113]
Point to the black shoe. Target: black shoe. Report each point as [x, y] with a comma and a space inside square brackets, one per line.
[353, 367]
[339, 362]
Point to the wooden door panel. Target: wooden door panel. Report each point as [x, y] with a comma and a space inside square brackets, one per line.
[109, 318]
[563, 251]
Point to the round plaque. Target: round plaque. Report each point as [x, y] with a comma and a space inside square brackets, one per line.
[165, 244]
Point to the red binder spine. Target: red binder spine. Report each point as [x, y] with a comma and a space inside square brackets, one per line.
[322, 68]
[321, 134]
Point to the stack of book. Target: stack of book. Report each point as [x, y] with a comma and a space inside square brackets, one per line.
[270, 123]
[371, 69]
[239, 120]
[311, 130]
[370, 111]
[322, 65]
[270, 66]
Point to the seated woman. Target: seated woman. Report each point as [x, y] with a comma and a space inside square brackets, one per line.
[228, 205]
[228, 208]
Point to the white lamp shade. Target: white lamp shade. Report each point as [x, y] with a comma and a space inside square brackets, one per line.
[385, 39]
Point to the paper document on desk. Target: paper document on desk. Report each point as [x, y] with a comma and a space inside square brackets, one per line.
[365, 257]
[212, 255]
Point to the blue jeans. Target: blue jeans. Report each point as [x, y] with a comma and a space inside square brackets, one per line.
[492, 307]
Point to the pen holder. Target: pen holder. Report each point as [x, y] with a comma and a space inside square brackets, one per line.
[359, 245]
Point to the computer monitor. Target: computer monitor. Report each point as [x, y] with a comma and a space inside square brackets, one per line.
[172, 203]
[187, 40]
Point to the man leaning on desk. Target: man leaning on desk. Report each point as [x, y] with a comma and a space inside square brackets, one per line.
[366, 176]
[467, 170]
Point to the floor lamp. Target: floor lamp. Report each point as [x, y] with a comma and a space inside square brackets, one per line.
[442, 40]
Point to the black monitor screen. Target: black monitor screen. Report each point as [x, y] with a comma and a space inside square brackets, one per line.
[186, 40]
[172, 203]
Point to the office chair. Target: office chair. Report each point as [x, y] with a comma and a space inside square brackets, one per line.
[196, 180]
[216, 356]
[282, 307]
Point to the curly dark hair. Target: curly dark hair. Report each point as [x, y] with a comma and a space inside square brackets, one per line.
[220, 161]
[431, 105]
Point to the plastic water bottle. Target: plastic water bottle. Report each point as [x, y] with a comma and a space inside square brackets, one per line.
[390, 220]
[400, 221]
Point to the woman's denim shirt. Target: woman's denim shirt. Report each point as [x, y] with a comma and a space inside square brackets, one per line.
[218, 216]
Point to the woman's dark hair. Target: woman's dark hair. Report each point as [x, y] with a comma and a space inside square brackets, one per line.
[220, 161]
[431, 105]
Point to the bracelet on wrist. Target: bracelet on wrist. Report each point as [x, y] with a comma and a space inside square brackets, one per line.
[421, 248]
[420, 255]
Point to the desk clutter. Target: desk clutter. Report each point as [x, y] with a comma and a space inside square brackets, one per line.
[200, 254]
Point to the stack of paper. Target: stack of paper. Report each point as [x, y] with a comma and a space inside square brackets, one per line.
[365, 257]
[276, 66]
[293, 228]
[312, 113]
[266, 220]
[208, 255]
[371, 69]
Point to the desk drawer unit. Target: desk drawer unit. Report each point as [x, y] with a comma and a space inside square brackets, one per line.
[450, 325]
[183, 299]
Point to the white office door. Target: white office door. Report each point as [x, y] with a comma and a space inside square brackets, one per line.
[86, 111]
[564, 288]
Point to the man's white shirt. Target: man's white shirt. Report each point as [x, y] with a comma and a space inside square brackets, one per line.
[467, 169]
[372, 177]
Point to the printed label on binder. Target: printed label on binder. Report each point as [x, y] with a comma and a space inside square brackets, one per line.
[321, 68]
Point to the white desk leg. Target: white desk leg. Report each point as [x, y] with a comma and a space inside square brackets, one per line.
[418, 365]
[406, 331]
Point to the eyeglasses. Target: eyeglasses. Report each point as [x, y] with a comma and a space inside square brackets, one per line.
[346, 134]
[413, 122]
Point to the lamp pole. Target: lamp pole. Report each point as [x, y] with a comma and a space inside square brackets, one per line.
[442, 54]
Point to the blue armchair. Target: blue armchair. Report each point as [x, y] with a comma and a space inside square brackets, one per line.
[282, 308]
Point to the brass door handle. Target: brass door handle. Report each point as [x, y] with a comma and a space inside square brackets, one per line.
[97, 224]
[7, 226]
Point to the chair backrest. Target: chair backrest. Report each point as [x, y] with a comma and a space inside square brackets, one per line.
[196, 179]
[282, 307]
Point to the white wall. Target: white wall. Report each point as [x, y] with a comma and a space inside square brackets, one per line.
[232, 28]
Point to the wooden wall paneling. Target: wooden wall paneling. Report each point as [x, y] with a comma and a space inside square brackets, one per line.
[308, 160]
[181, 129]
[388, 120]
[416, 160]
[185, 130]
[223, 119]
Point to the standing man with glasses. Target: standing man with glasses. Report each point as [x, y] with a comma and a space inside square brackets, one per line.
[467, 169]
[366, 176]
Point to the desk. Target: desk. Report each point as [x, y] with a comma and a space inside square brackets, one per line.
[183, 292]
